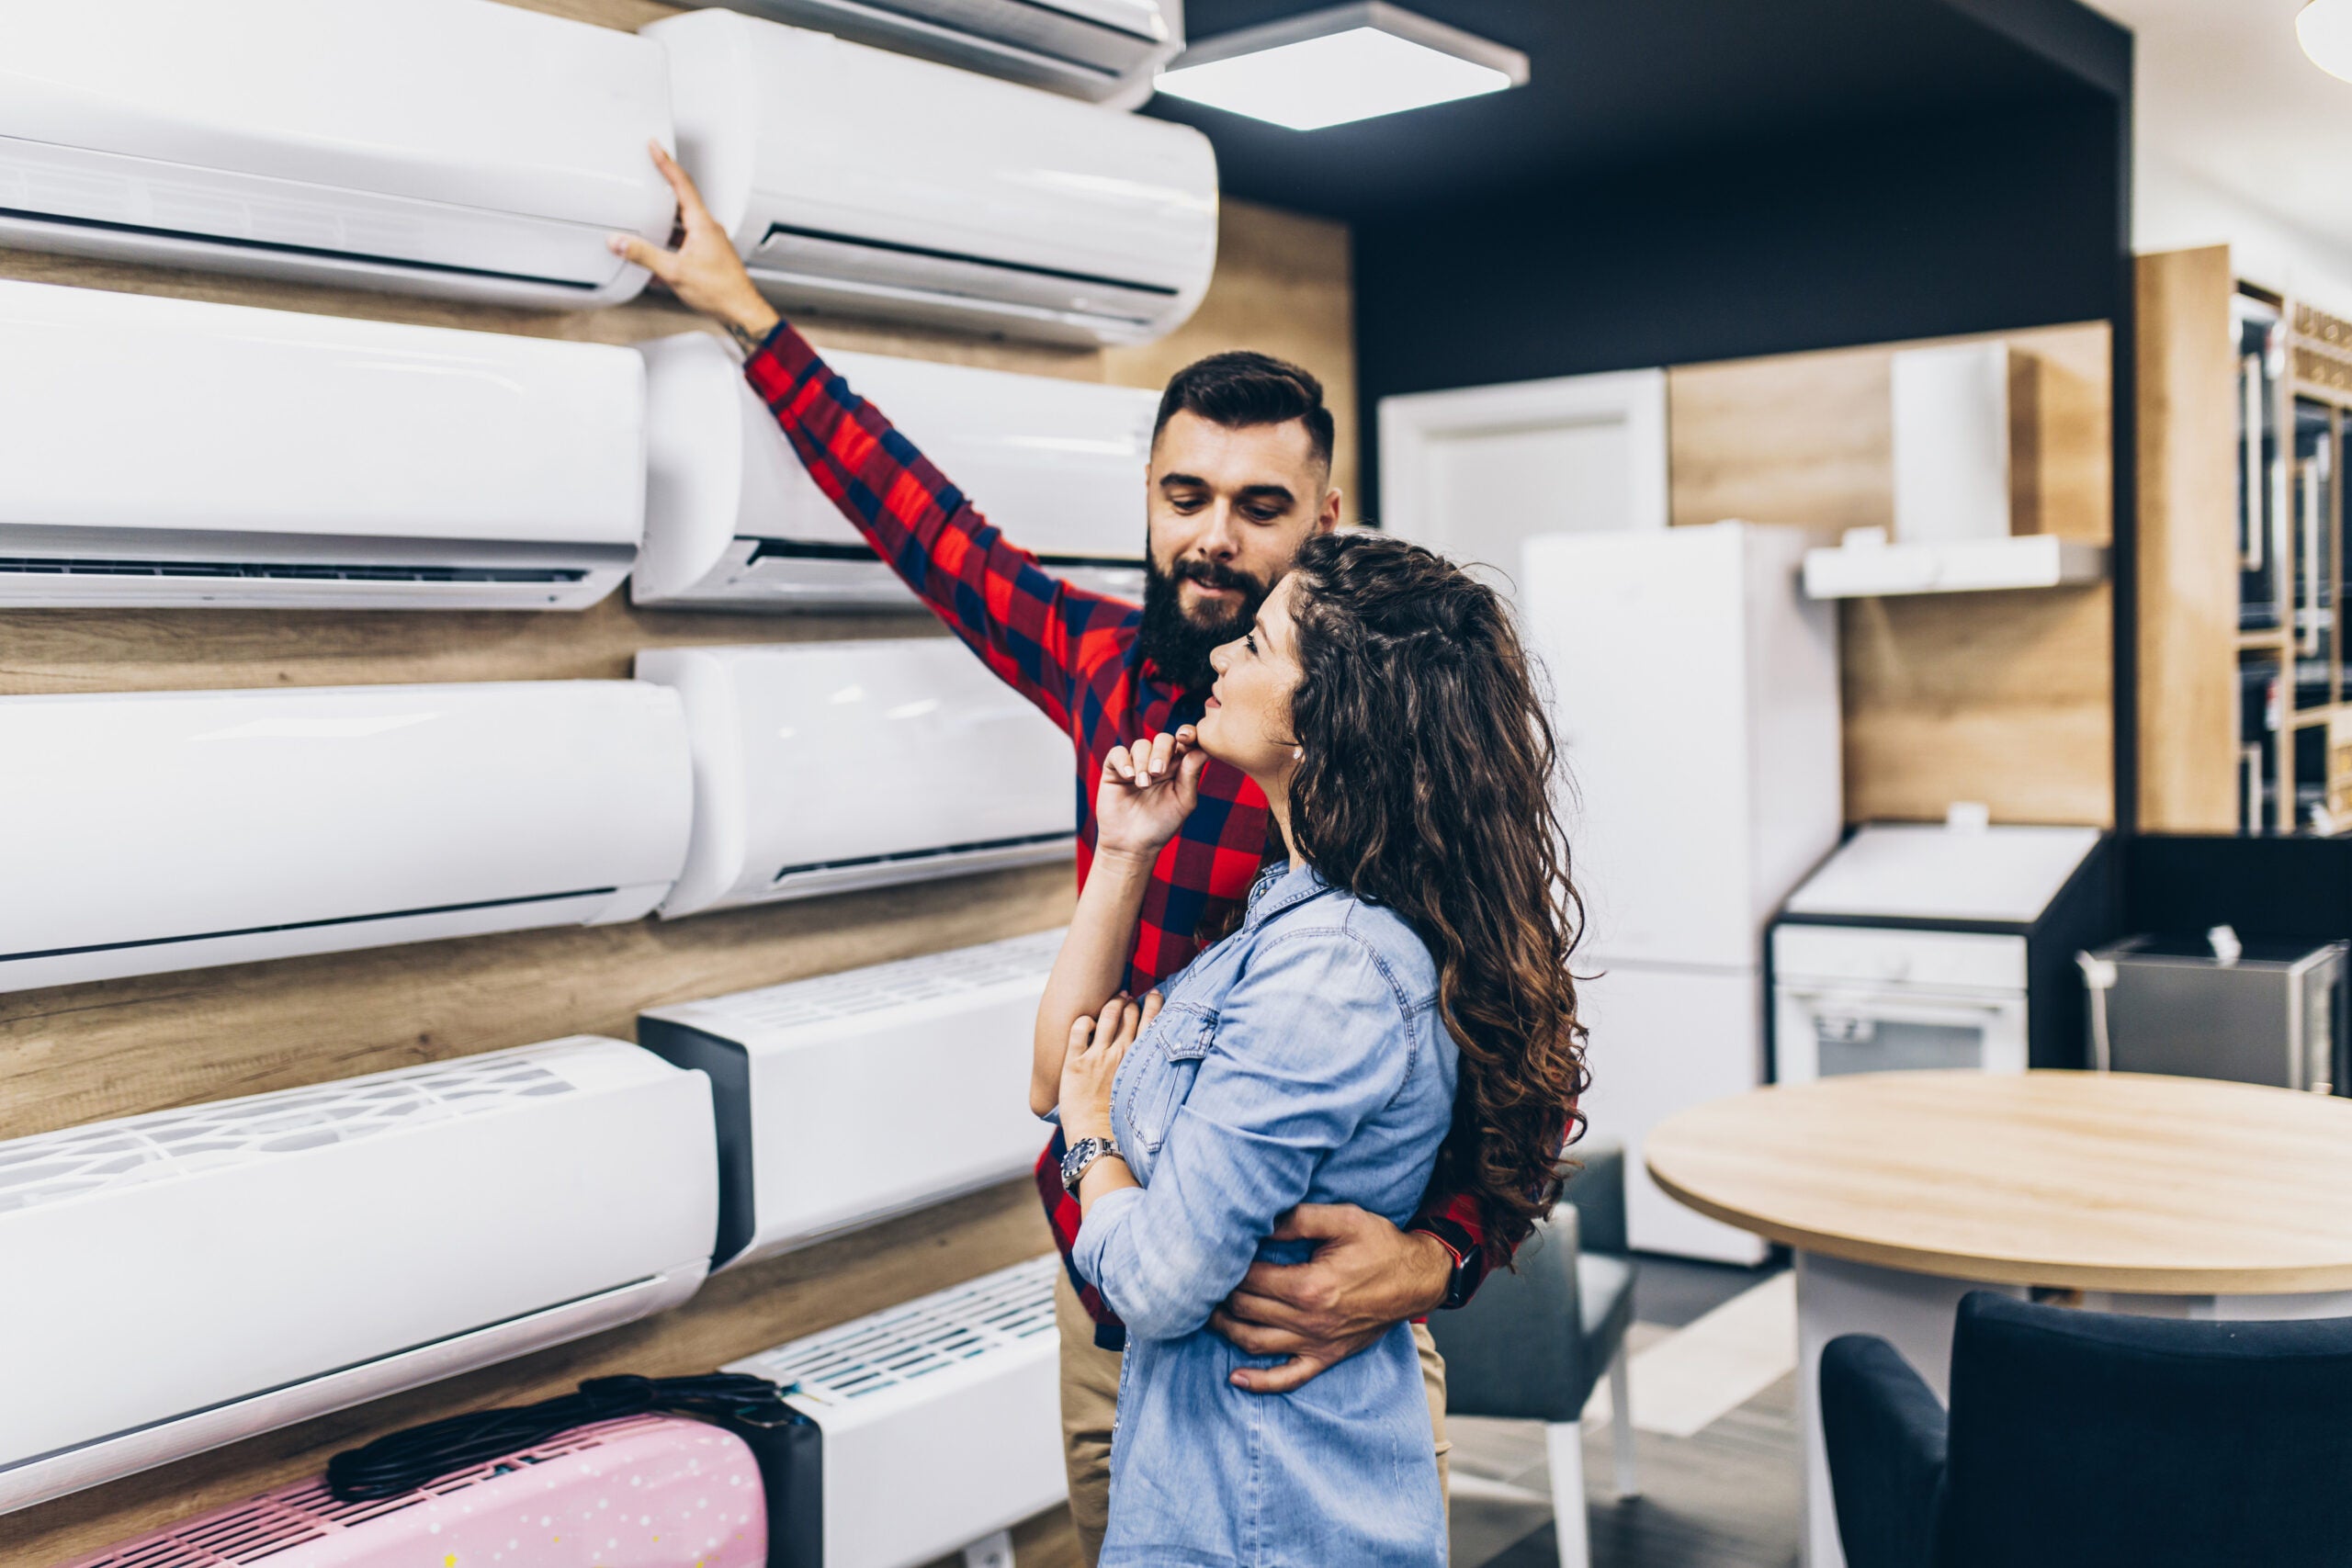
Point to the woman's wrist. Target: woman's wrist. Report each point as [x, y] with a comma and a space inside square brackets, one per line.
[1130, 860]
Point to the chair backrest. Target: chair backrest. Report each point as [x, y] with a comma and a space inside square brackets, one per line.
[1516, 1350]
[2086, 1439]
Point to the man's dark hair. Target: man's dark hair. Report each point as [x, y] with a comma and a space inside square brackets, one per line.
[1242, 389]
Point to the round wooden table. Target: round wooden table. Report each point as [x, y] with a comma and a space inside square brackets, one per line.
[1900, 1193]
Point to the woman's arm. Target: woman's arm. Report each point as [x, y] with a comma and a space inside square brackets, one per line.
[1142, 799]
[1309, 1043]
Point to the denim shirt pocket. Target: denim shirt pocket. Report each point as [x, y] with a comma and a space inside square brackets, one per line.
[1179, 1037]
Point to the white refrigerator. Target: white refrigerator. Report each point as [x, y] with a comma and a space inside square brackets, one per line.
[1695, 695]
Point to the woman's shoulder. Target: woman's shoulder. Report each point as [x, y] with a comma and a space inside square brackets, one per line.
[1359, 939]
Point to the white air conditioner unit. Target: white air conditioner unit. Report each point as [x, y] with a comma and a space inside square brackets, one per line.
[172, 451]
[822, 767]
[959, 1389]
[858, 180]
[943, 1041]
[458, 148]
[1105, 51]
[734, 521]
[177, 829]
[184, 1279]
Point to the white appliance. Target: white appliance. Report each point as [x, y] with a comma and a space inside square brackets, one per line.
[961, 1388]
[735, 522]
[1951, 443]
[1695, 694]
[1106, 50]
[458, 148]
[671, 1464]
[1921, 945]
[179, 829]
[858, 180]
[822, 767]
[943, 1041]
[174, 452]
[184, 1279]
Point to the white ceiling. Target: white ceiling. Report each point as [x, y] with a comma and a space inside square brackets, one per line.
[2224, 91]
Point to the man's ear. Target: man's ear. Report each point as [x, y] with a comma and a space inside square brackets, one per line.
[1326, 517]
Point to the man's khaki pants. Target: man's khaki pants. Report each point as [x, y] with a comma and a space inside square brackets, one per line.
[1091, 1396]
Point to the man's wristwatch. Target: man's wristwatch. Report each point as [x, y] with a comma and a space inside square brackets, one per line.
[1082, 1155]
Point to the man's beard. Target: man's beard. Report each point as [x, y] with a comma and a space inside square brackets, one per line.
[1171, 639]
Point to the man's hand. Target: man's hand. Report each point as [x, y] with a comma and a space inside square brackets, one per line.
[1365, 1277]
[704, 271]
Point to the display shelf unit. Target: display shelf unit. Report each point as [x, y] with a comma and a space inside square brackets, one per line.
[2294, 397]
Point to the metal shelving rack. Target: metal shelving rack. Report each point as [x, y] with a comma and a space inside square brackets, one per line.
[2294, 687]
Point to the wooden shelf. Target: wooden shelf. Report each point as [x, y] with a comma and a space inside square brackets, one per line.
[2024, 560]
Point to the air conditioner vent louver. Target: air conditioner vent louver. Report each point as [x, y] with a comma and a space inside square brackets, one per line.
[893, 1348]
[283, 571]
[929, 978]
[168, 1144]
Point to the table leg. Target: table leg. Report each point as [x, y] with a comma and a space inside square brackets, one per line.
[1912, 1312]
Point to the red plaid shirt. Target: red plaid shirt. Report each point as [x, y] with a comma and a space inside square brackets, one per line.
[1074, 654]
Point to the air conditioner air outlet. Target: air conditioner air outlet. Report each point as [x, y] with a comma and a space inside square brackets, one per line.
[41, 566]
[917, 857]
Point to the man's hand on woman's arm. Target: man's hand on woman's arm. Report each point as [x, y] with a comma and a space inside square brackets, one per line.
[703, 271]
[1365, 1277]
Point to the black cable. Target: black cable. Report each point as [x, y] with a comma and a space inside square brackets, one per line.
[402, 1462]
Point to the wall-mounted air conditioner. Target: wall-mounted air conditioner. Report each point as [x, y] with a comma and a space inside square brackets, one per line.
[858, 180]
[958, 1388]
[307, 462]
[458, 148]
[734, 522]
[1105, 51]
[152, 832]
[672, 1468]
[822, 767]
[944, 1040]
[184, 1279]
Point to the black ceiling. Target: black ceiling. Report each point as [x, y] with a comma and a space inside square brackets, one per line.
[1619, 84]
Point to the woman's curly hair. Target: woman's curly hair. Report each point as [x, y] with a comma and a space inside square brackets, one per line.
[1426, 785]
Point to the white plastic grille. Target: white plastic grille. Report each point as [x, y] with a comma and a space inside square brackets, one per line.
[248, 1532]
[891, 1348]
[169, 1145]
[827, 999]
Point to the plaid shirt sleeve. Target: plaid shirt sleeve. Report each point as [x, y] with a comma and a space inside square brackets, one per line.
[1021, 620]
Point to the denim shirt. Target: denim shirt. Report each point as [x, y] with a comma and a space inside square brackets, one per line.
[1299, 1061]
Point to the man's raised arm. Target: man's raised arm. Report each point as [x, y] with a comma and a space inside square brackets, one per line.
[1021, 620]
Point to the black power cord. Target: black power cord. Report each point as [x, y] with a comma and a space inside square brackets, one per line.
[402, 1462]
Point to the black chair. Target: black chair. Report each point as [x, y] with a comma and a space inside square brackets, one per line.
[2086, 1438]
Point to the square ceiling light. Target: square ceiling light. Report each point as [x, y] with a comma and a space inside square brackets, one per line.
[1345, 63]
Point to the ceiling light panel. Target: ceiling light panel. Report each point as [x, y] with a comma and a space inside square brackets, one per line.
[1346, 63]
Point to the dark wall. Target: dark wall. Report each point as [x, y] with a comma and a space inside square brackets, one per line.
[2006, 217]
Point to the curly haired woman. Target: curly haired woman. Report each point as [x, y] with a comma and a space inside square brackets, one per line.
[1396, 1000]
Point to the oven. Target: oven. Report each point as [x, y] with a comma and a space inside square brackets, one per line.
[1860, 999]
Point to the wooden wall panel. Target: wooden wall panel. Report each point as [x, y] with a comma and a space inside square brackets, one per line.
[2187, 544]
[78, 1053]
[2000, 697]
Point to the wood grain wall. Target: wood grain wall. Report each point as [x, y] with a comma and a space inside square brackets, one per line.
[2003, 698]
[78, 1053]
[2188, 543]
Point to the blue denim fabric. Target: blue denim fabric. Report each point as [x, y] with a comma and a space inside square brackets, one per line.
[1300, 1060]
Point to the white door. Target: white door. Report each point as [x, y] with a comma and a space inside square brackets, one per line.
[1663, 1040]
[1478, 472]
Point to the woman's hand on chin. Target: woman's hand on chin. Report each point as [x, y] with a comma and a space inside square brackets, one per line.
[1097, 1046]
[1145, 792]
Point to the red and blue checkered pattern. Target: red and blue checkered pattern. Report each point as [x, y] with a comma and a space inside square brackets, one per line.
[1071, 652]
